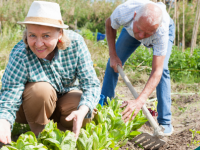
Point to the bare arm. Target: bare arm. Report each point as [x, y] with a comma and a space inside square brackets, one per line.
[5, 132]
[154, 79]
[78, 117]
[111, 36]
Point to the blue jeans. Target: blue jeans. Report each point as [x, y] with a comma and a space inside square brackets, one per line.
[125, 46]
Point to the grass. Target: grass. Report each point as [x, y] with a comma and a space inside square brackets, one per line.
[11, 34]
[85, 13]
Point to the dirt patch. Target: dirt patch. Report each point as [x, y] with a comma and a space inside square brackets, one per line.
[178, 141]
[185, 116]
[184, 99]
[182, 140]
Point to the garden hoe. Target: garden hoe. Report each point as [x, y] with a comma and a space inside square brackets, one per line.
[147, 140]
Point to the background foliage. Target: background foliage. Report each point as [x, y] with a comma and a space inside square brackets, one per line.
[89, 17]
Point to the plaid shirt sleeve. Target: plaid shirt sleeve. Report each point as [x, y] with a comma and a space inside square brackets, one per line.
[89, 83]
[13, 82]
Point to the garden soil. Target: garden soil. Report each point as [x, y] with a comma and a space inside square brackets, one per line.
[185, 116]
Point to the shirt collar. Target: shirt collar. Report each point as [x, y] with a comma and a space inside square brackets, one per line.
[55, 55]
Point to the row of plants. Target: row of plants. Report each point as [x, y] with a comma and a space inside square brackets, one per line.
[106, 131]
[183, 67]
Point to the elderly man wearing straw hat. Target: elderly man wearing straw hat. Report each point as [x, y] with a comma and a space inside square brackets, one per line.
[148, 23]
[49, 75]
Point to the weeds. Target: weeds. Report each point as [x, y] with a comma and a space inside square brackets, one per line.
[182, 109]
[193, 141]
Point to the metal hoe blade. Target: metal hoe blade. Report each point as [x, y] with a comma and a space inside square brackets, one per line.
[148, 141]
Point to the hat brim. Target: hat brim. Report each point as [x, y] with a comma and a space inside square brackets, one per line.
[43, 24]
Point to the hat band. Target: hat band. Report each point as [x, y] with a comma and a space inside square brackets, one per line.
[45, 20]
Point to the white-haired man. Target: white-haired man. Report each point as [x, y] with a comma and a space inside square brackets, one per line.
[148, 23]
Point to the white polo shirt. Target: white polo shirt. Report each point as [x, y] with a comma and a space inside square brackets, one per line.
[123, 16]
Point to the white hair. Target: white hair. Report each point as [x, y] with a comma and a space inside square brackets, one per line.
[152, 12]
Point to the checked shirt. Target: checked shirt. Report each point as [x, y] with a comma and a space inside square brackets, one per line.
[70, 69]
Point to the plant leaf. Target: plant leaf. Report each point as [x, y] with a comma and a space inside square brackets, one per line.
[69, 142]
[52, 143]
[81, 144]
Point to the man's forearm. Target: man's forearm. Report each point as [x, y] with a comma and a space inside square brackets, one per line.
[150, 86]
[154, 79]
[111, 36]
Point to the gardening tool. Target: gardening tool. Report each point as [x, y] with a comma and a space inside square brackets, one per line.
[147, 140]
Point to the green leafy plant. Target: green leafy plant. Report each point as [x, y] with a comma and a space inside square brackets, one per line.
[19, 128]
[183, 67]
[25, 141]
[155, 104]
[119, 131]
[49, 138]
[53, 138]
[182, 109]
[193, 141]
[85, 141]
[106, 131]
[100, 135]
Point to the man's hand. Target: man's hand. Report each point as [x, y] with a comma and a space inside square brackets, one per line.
[78, 117]
[114, 61]
[111, 36]
[136, 105]
[131, 106]
[5, 132]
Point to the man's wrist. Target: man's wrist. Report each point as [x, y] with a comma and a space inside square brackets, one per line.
[113, 55]
[142, 100]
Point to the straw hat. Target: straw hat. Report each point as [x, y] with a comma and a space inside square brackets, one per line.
[44, 13]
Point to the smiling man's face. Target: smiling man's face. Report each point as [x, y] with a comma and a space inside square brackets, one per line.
[143, 29]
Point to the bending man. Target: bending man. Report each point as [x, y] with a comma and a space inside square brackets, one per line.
[148, 23]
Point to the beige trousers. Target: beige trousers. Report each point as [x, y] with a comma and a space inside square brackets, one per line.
[40, 105]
